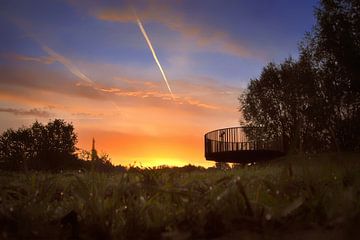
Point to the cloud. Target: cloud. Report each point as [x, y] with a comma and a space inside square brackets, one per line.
[154, 94]
[88, 115]
[119, 105]
[91, 89]
[14, 79]
[138, 83]
[19, 57]
[88, 88]
[204, 36]
[35, 112]
[51, 58]
[67, 63]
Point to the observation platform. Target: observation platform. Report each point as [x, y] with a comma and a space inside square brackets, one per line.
[242, 145]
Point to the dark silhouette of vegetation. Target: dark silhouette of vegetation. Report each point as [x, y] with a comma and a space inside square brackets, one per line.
[314, 102]
[222, 166]
[39, 147]
[98, 162]
[48, 147]
[314, 196]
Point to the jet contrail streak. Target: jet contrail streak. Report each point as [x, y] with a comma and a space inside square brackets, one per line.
[64, 61]
[154, 54]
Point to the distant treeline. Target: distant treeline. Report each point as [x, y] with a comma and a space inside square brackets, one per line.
[48, 147]
[313, 102]
[52, 147]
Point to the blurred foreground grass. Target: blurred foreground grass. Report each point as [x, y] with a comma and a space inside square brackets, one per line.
[299, 197]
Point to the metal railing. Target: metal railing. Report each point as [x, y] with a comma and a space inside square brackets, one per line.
[240, 139]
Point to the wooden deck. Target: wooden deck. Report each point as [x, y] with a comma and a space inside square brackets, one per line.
[241, 145]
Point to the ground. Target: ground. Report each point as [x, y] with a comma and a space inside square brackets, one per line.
[297, 197]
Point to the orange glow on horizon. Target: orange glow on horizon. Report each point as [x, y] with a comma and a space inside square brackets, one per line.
[128, 114]
[147, 151]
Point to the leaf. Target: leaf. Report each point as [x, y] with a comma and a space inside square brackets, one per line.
[292, 207]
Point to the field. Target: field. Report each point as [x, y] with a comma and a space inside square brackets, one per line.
[300, 197]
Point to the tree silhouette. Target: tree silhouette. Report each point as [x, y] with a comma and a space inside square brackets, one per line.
[40, 147]
[49, 147]
[335, 44]
[279, 101]
[337, 39]
[314, 102]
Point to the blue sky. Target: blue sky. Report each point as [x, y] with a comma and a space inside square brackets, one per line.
[270, 28]
[90, 59]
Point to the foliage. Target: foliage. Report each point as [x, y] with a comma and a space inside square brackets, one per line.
[337, 40]
[314, 102]
[279, 101]
[50, 146]
[313, 196]
[222, 166]
[97, 162]
[335, 45]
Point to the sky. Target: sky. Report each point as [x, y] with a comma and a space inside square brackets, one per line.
[89, 63]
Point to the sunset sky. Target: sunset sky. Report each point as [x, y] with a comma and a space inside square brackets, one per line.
[88, 62]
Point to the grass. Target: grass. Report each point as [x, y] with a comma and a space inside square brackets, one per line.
[300, 197]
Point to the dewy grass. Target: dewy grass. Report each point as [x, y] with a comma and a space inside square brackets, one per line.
[300, 193]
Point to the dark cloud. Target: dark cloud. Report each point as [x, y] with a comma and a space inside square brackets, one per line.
[35, 112]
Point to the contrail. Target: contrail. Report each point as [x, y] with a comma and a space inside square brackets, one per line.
[54, 56]
[153, 53]
[64, 61]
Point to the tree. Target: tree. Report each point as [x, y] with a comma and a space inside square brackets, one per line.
[337, 39]
[40, 147]
[335, 47]
[57, 145]
[279, 101]
[314, 102]
[15, 149]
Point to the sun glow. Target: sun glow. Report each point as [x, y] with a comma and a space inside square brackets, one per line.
[160, 161]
